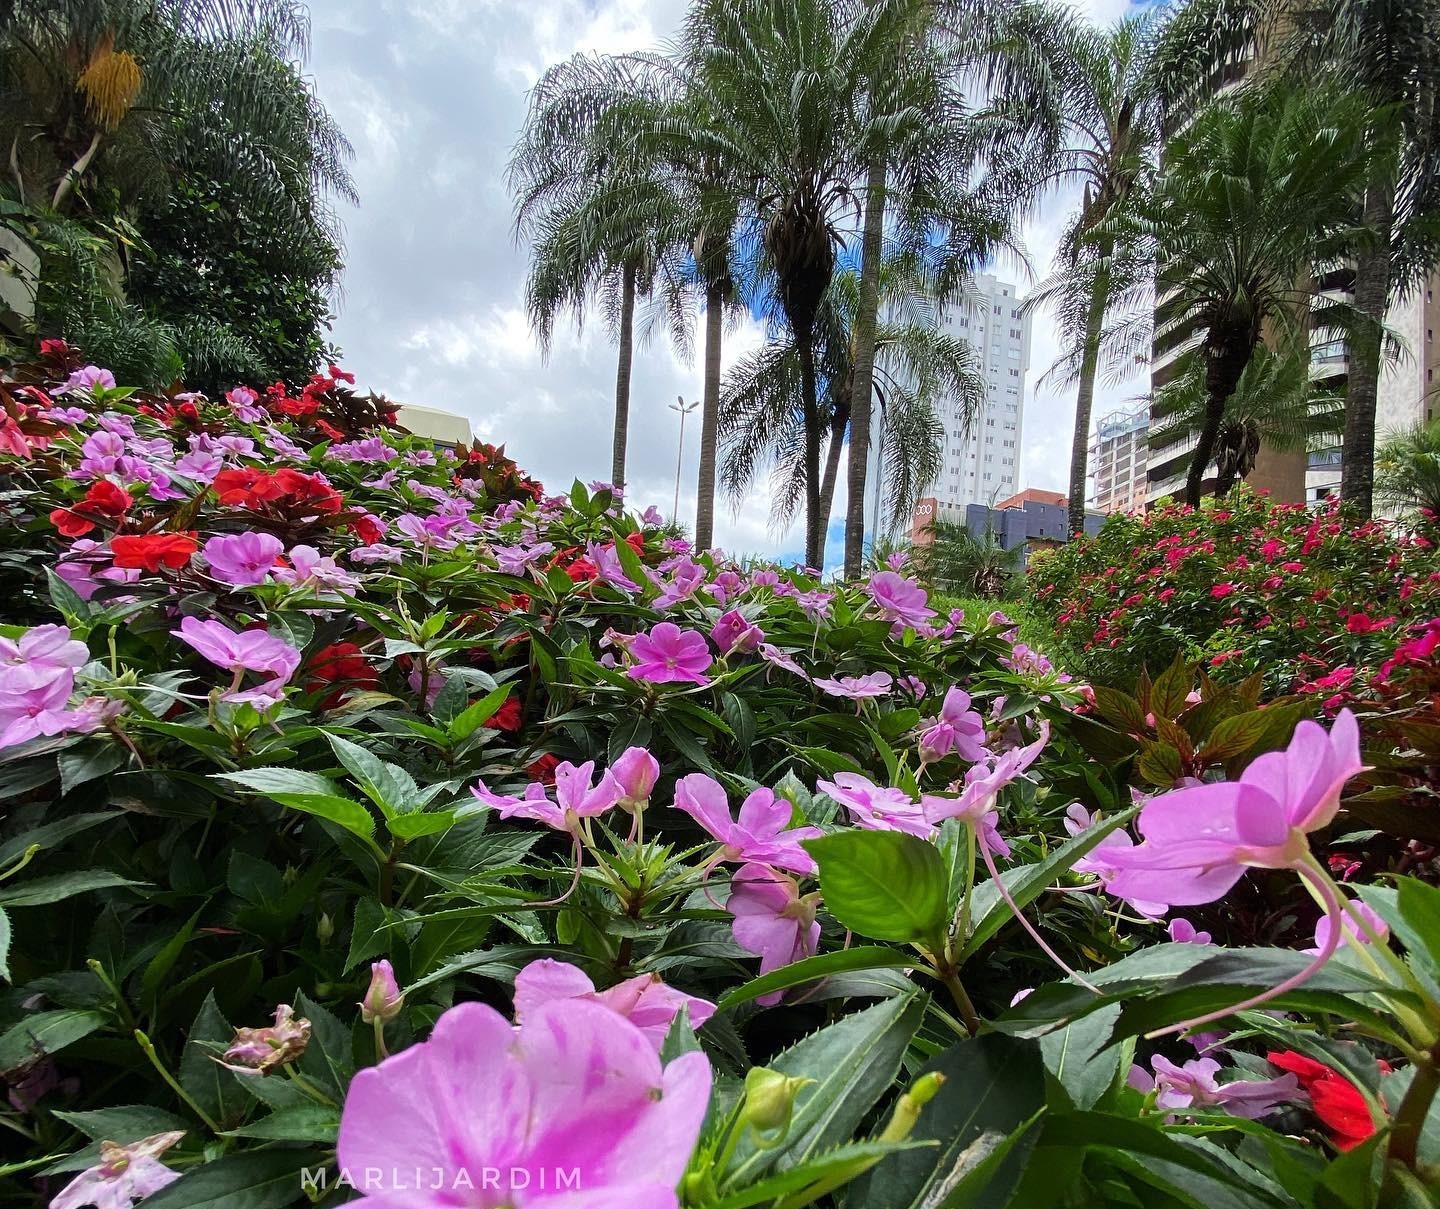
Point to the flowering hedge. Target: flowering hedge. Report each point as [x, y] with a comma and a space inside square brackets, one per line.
[1246, 584]
[379, 827]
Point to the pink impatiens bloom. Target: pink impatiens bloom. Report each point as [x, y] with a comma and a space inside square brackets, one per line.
[1183, 932]
[577, 796]
[958, 728]
[644, 1000]
[857, 688]
[37, 656]
[124, 1175]
[243, 559]
[1198, 842]
[877, 807]
[760, 833]
[571, 1109]
[772, 919]
[1352, 931]
[668, 653]
[1194, 1086]
[733, 634]
[899, 600]
[247, 651]
[636, 771]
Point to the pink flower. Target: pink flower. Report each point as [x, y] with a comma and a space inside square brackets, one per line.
[857, 688]
[774, 656]
[1351, 931]
[734, 634]
[124, 1175]
[37, 656]
[668, 653]
[958, 728]
[1199, 841]
[243, 559]
[983, 782]
[575, 1089]
[1220, 591]
[761, 832]
[248, 651]
[309, 566]
[877, 808]
[244, 401]
[383, 997]
[771, 919]
[43, 710]
[636, 771]
[577, 796]
[1183, 932]
[899, 599]
[644, 1000]
[1194, 1085]
[88, 378]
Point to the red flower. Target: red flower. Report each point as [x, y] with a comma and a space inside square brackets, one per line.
[339, 375]
[507, 718]
[1337, 1101]
[151, 551]
[70, 523]
[1219, 591]
[636, 542]
[107, 499]
[342, 665]
[581, 570]
[329, 430]
[367, 529]
[1359, 623]
[543, 769]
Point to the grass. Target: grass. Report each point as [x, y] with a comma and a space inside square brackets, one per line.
[1033, 629]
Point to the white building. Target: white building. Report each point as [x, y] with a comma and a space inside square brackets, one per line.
[982, 458]
[1119, 461]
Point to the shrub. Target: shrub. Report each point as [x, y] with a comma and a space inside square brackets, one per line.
[367, 746]
[1245, 584]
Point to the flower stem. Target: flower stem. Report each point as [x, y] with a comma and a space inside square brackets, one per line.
[963, 1003]
[1414, 1108]
[148, 1047]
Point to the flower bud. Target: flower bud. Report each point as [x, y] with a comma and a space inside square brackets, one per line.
[637, 771]
[383, 998]
[325, 929]
[770, 1099]
[259, 1051]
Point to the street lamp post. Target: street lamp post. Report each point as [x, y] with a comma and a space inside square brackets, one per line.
[684, 409]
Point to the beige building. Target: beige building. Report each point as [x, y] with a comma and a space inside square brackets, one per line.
[1120, 460]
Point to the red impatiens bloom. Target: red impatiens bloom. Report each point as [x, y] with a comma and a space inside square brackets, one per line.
[70, 523]
[106, 499]
[289, 490]
[507, 718]
[1337, 1101]
[151, 551]
[1360, 623]
[543, 769]
[341, 665]
[1220, 591]
[367, 529]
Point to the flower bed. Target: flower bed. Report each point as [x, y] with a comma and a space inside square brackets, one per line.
[541, 862]
[1306, 598]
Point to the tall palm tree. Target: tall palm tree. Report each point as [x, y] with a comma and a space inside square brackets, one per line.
[600, 213]
[1258, 198]
[1277, 403]
[1390, 51]
[1097, 102]
[783, 91]
[916, 368]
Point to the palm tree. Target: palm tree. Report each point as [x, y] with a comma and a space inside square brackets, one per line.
[1390, 51]
[1257, 199]
[783, 83]
[124, 89]
[1408, 468]
[1096, 101]
[600, 213]
[1277, 403]
[954, 561]
[916, 367]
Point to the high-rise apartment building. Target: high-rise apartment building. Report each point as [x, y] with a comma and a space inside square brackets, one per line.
[982, 458]
[1119, 460]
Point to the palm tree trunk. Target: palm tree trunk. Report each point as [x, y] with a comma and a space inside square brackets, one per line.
[838, 423]
[862, 387]
[814, 522]
[1222, 374]
[622, 376]
[1085, 393]
[1372, 293]
[709, 417]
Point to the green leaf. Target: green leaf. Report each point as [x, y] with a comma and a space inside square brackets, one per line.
[390, 788]
[1168, 693]
[164, 961]
[1159, 764]
[43, 890]
[990, 911]
[993, 1086]
[1081, 1057]
[852, 1062]
[882, 884]
[212, 1087]
[842, 961]
[301, 1123]
[66, 599]
[318, 796]
[329, 1059]
[472, 717]
[49, 835]
[851, 1157]
[1419, 909]
[42, 1033]
[89, 762]
[261, 1179]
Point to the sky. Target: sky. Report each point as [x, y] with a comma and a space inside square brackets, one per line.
[432, 94]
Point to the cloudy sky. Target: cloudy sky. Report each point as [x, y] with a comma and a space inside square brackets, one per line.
[432, 93]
